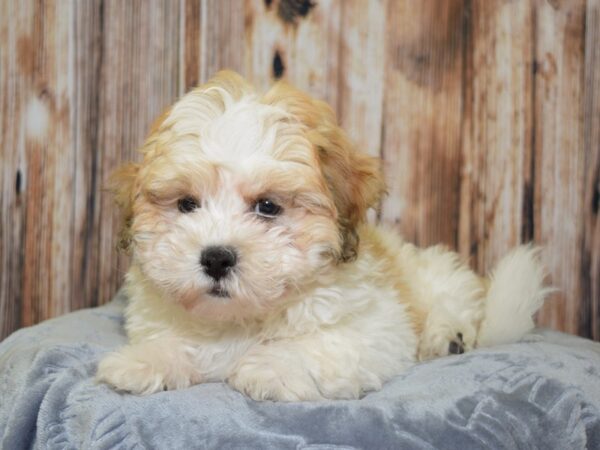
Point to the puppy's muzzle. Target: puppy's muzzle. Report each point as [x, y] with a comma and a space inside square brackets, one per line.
[217, 261]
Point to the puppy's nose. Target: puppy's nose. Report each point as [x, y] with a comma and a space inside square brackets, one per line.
[217, 260]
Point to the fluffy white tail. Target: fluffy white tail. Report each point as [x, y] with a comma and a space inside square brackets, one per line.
[516, 291]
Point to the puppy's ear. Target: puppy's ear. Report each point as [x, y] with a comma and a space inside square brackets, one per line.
[356, 182]
[354, 179]
[122, 183]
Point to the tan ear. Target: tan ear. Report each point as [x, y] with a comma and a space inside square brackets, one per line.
[356, 183]
[122, 183]
[354, 178]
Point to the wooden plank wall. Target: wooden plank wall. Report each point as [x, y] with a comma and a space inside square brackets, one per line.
[486, 113]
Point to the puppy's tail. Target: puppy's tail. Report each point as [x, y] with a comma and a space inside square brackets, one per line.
[515, 292]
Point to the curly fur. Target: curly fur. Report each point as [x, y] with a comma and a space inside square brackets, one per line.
[320, 304]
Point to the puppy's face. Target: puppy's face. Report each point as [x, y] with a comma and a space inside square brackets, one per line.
[242, 201]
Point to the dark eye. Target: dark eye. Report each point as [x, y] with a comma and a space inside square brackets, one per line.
[187, 204]
[267, 208]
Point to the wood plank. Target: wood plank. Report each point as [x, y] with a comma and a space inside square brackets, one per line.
[139, 78]
[222, 37]
[17, 63]
[496, 186]
[49, 152]
[190, 47]
[560, 155]
[361, 72]
[589, 313]
[302, 47]
[88, 53]
[212, 39]
[422, 111]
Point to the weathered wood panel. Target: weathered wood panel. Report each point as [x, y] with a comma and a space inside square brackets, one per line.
[487, 115]
[221, 36]
[589, 312]
[14, 89]
[298, 43]
[190, 45]
[422, 112]
[45, 144]
[361, 68]
[87, 61]
[496, 187]
[560, 154]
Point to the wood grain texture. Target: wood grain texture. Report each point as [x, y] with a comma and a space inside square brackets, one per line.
[560, 154]
[303, 51]
[48, 151]
[422, 111]
[16, 67]
[589, 312]
[212, 39]
[361, 67]
[190, 46]
[87, 61]
[487, 115]
[222, 37]
[497, 131]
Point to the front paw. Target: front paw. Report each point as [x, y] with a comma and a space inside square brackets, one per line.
[273, 380]
[128, 375]
[457, 345]
[144, 371]
[446, 340]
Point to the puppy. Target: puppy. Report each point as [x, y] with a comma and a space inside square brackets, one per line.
[253, 262]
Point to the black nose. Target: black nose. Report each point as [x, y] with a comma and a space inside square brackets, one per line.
[217, 261]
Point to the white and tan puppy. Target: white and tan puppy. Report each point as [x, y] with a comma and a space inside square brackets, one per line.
[252, 261]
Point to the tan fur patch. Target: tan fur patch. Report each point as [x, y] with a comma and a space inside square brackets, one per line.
[354, 179]
[121, 184]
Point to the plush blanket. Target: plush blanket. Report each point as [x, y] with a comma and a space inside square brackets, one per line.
[542, 393]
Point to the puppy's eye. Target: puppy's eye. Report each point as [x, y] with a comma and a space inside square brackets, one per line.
[267, 208]
[187, 204]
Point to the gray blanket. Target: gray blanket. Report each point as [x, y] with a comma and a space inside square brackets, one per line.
[542, 393]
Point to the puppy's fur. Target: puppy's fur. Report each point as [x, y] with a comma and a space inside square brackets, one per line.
[318, 304]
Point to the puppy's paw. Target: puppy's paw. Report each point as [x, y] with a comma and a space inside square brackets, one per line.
[124, 374]
[137, 370]
[457, 345]
[446, 340]
[261, 379]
